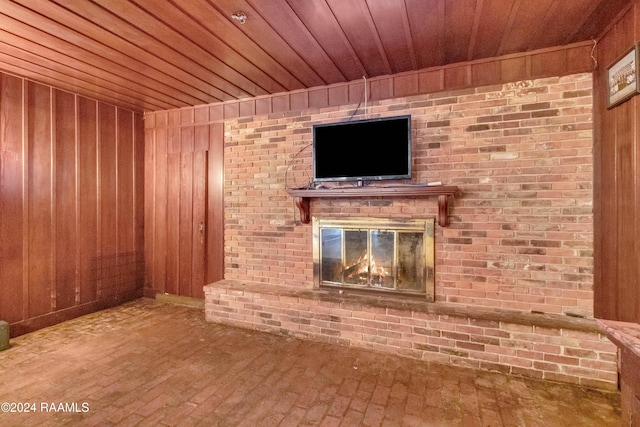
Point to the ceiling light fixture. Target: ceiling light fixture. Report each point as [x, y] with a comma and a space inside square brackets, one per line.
[239, 16]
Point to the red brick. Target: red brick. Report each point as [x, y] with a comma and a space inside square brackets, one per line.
[518, 114]
[521, 207]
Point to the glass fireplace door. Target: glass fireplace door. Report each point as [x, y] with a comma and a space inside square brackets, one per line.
[396, 260]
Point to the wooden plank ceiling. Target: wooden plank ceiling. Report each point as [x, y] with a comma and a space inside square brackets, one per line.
[163, 54]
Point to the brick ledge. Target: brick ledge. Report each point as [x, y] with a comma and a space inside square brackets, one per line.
[543, 346]
[551, 321]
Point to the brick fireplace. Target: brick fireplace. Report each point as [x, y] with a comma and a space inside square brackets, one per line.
[513, 287]
[520, 236]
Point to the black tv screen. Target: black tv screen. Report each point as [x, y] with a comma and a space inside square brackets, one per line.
[362, 150]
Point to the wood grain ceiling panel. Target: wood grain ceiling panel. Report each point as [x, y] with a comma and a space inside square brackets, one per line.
[491, 28]
[261, 31]
[289, 26]
[426, 19]
[580, 20]
[458, 21]
[221, 28]
[603, 14]
[62, 32]
[549, 34]
[46, 75]
[522, 28]
[354, 17]
[162, 40]
[322, 24]
[69, 68]
[392, 26]
[204, 46]
[153, 55]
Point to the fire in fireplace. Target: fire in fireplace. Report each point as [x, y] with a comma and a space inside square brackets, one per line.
[375, 254]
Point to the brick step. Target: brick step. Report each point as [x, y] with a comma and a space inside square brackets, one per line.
[545, 346]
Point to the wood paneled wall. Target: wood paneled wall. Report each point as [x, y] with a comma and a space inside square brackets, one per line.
[71, 205]
[617, 183]
[184, 212]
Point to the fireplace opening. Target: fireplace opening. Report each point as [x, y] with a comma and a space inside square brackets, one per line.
[375, 254]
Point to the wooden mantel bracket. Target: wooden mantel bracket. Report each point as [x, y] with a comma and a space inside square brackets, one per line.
[303, 197]
[304, 206]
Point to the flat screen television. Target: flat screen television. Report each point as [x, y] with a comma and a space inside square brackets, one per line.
[362, 150]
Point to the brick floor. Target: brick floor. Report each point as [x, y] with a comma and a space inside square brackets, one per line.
[149, 363]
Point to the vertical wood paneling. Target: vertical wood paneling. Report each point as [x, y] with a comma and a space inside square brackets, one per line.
[338, 95]
[279, 103]
[456, 77]
[201, 114]
[513, 69]
[201, 138]
[605, 195]
[71, 207]
[318, 98]
[186, 200]
[11, 200]
[150, 201]
[216, 112]
[625, 249]
[138, 197]
[231, 110]
[380, 89]
[187, 136]
[616, 190]
[431, 81]
[40, 201]
[602, 306]
[65, 199]
[159, 189]
[406, 85]
[173, 223]
[173, 211]
[185, 222]
[247, 108]
[485, 73]
[125, 197]
[633, 296]
[87, 198]
[108, 189]
[263, 105]
[629, 299]
[548, 63]
[199, 224]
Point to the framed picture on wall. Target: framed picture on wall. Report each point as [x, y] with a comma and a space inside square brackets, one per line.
[622, 78]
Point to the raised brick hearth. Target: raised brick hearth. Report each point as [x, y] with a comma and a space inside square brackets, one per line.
[550, 347]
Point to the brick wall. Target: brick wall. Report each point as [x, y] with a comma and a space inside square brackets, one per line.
[521, 225]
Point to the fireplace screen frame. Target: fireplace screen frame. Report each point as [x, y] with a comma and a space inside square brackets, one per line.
[424, 226]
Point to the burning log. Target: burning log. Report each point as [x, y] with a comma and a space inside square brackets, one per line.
[359, 271]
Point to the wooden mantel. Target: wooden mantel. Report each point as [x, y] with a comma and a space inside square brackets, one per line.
[303, 197]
